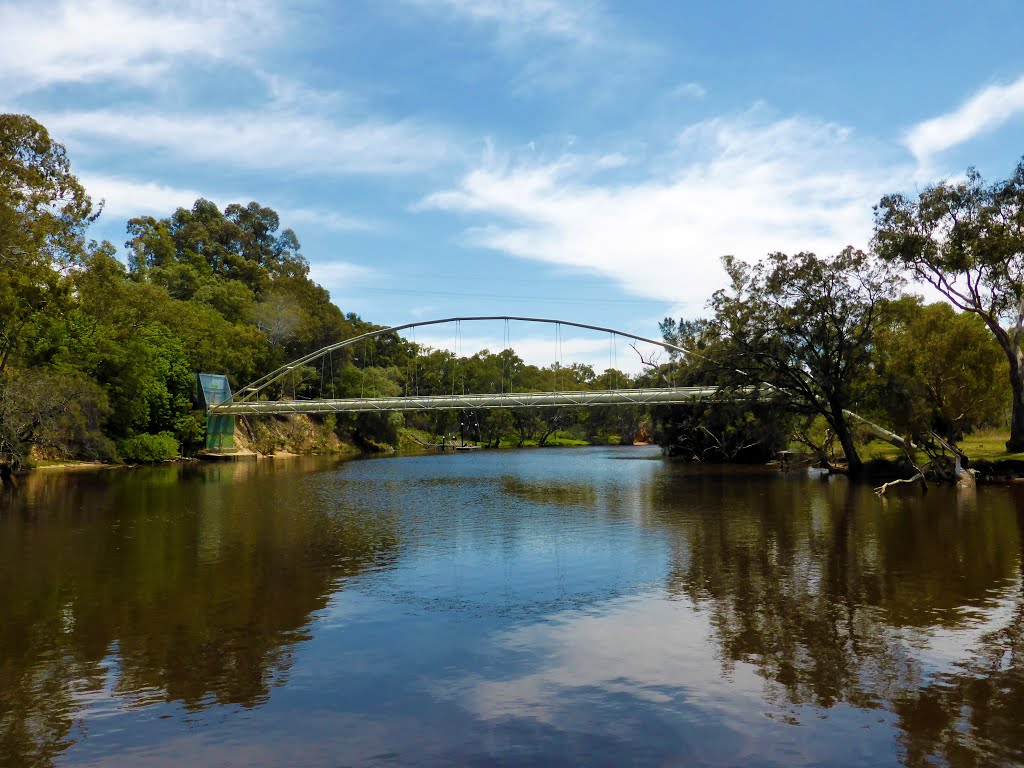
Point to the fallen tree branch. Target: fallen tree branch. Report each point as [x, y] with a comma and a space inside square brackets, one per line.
[919, 477]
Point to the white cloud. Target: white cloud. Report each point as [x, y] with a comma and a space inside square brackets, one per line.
[985, 111]
[78, 41]
[270, 140]
[558, 45]
[337, 276]
[695, 90]
[517, 19]
[741, 186]
[124, 198]
[332, 220]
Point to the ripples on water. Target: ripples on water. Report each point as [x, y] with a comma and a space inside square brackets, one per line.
[592, 606]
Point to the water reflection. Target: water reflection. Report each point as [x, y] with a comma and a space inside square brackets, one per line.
[507, 608]
[170, 584]
[831, 596]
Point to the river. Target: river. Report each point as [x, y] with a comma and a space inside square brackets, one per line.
[598, 606]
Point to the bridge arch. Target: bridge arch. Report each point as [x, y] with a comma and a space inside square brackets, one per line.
[241, 403]
[252, 390]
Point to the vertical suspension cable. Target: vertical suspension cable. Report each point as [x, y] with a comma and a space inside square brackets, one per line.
[615, 350]
[554, 365]
[511, 365]
[369, 362]
[415, 364]
[608, 377]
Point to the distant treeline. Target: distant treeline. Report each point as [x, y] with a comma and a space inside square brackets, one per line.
[97, 354]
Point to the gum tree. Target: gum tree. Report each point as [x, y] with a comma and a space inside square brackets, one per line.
[805, 326]
[44, 212]
[967, 241]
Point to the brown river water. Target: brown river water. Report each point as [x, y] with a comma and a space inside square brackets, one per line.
[597, 606]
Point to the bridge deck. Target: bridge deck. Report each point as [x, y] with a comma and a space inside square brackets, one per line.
[651, 396]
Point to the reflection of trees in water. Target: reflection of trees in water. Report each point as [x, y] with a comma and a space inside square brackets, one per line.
[978, 707]
[198, 589]
[557, 494]
[822, 588]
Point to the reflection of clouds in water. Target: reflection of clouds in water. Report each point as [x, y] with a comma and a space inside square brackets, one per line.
[945, 648]
[638, 670]
[642, 646]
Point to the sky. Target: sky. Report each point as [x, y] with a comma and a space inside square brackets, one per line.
[587, 160]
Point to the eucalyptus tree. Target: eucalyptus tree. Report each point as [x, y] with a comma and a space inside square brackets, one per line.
[939, 370]
[44, 213]
[966, 239]
[804, 326]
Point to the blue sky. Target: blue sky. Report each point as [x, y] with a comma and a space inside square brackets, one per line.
[584, 159]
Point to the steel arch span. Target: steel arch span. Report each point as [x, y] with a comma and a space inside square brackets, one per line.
[250, 392]
[246, 400]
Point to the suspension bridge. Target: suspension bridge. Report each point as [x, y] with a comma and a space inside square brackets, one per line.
[253, 399]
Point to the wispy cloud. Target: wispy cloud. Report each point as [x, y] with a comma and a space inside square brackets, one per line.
[693, 90]
[983, 112]
[742, 186]
[556, 45]
[79, 41]
[330, 220]
[338, 276]
[272, 140]
[125, 198]
[516, 20]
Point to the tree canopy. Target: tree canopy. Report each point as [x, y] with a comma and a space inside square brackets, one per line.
[966, 239]
[804, 325]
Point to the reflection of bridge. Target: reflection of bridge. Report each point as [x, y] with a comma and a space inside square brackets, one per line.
[247, 401]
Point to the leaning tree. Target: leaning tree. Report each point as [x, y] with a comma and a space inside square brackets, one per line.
[966, 240]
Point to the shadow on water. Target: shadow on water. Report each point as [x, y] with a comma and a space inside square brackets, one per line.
[161, 586]
[826, 590]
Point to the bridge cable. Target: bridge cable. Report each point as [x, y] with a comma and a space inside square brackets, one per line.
[323, 367]
[615, 349]
[362, 371]
[374, 379]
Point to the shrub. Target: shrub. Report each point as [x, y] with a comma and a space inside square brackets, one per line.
[146, 449]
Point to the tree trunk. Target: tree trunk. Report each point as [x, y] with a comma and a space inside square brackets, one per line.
[854, 466]
[1016, 442]
[1013, 354]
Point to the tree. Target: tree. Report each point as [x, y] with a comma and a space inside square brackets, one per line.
[967, 241]
[737, 428]
[57, 412]
[44, 212]
[939, 370]
[804, 326]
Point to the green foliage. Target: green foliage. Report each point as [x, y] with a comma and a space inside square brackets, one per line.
[92, 350]
[147, 449]
[967, 241]
[806, 326]
[939, 370]
[60, 413]
[723, 432]
[44, 212]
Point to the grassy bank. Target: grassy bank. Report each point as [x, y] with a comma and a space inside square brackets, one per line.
[989, 445]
